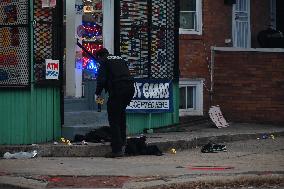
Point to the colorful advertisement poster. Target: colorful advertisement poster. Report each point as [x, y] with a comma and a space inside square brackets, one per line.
[52, 69]
[151, 96]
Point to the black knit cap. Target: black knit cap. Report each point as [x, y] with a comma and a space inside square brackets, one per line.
[102, 52]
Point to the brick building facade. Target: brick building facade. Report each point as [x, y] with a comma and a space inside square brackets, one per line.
[235, 69]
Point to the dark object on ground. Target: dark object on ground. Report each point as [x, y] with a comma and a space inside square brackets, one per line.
[134, 145]
[212, 148]
[270, 38]
[114, 155]
[79, 138]
[98, 135]
[138, 146]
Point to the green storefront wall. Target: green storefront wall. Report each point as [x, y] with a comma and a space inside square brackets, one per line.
[29, 115]
[32, 115]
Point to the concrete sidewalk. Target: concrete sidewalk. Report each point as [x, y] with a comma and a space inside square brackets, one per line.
[247, 161]
[187, 138]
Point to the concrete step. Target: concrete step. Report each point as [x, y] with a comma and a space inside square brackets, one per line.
[82, 104]
[164, 141]
[85, 118]
[82, 122]
[75, 104]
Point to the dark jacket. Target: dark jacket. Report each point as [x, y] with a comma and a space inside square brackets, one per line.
[113, 75]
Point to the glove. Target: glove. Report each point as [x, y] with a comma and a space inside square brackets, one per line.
[99, 99]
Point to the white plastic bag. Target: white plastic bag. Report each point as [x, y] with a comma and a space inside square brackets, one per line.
[20, 155]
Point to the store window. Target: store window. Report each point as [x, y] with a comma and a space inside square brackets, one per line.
[191, 97]
[190, 17]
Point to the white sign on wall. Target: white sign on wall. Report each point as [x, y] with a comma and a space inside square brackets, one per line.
[52, 69]
[48, 3]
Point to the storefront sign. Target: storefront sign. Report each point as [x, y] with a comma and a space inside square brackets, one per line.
[52, 69]
[151, 96]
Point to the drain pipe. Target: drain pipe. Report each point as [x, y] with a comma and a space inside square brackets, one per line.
[212, 74]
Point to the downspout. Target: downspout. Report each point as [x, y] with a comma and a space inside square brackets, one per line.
[212, 74]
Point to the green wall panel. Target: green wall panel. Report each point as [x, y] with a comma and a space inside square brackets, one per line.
[29, 116]
[13, 112]
[137, 122]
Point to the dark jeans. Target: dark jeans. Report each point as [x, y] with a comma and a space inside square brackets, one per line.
[116, 105]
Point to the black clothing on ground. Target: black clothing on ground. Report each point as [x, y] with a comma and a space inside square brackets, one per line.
[101, 134]
[115, 78]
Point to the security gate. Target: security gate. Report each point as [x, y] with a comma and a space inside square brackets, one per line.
[148, 37]
[241, 24]
[14, 43]
[48, 40]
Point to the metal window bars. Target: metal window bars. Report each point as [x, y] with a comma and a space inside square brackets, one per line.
[149, 37]
[14, 43]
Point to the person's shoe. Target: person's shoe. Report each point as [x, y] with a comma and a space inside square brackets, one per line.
[213, 148]
[114, 154]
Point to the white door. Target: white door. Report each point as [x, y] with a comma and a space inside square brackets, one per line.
[241, 24]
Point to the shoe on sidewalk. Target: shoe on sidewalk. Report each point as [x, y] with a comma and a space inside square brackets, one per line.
[213, 148]
[114, 154]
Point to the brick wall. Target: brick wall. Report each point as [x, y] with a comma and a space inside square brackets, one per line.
[195, 49]
[217, 26]
[249, 86]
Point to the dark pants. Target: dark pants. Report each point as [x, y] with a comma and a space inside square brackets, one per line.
[116, 105]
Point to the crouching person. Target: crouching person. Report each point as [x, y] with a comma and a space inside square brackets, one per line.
[115, 78]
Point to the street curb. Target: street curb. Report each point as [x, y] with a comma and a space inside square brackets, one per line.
[197, 142]
[214, 182]
[20, 182]
[202, 183]
[98, 150]
[11, 186]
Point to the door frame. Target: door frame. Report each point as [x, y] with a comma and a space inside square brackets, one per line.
[234, 25]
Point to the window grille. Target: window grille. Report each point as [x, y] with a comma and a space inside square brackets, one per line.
[149, 37]
[14, 44]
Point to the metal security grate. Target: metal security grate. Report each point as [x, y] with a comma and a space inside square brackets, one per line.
[162, 46]
[42, 38]
[134, 36]
[14, 43]
[147, 37]
[14, 12]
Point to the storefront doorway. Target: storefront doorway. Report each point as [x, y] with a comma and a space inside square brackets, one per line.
[145, 34]
[88, 23]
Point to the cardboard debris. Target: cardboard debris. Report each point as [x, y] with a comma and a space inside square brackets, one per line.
[217, 117]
